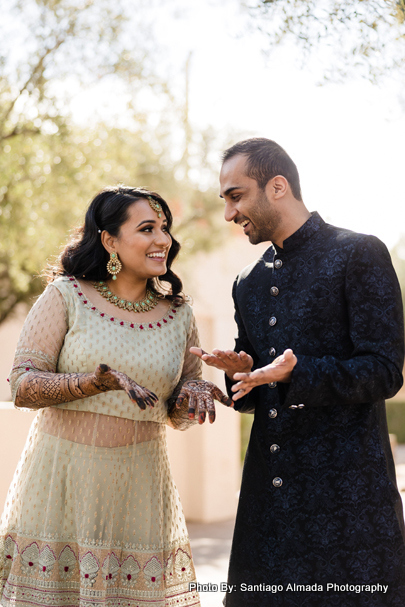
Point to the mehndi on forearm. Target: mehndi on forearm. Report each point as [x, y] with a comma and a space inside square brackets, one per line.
[42, 389]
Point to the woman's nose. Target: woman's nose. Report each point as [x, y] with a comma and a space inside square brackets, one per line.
[163, 239]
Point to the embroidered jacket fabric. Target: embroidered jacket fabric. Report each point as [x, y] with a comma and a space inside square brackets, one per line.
[319, 502]
[93, 516]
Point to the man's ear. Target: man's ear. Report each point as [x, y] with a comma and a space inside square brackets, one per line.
[279, 186]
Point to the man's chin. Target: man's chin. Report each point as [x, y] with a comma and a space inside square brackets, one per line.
[254, 238]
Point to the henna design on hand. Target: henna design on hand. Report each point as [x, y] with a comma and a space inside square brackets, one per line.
[108, 379]
[42, 389]
[200, 395]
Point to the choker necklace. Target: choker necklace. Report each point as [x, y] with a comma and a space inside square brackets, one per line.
[150, 300]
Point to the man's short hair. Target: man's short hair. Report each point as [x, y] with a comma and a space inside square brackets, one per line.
[265, 160]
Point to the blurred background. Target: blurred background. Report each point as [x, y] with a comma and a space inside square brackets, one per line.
[149, 93]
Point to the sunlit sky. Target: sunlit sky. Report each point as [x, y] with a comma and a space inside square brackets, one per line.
[346, 139]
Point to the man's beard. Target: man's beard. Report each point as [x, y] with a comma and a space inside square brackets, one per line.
[264, 220]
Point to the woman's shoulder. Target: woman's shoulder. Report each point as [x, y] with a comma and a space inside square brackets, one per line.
[62, 284]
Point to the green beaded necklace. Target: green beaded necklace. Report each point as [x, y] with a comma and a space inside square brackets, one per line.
[149, 302]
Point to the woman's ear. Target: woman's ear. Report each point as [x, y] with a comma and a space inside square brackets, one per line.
[108, 241]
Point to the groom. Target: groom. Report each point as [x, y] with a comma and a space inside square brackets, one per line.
[320, 346]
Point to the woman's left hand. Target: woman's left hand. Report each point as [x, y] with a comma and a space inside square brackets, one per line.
[200, 395]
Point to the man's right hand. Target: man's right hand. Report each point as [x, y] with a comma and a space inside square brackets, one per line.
[227, 360]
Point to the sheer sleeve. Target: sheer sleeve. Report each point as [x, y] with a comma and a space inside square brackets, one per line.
[41, 338]
[192, 369]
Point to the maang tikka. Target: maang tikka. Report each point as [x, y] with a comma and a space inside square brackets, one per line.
[155, 206]
[114, 265]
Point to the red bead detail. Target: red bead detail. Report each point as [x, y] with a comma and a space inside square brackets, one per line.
[150, 326]
[153, 579]
[174, 311]
[80, 294]
[93, 308]
[27, 368]
[183, 568]
[102, 314]
[85, 301]
[140, 326]
[86, 575]
[111, 318]
[158, 324]
[132, 326]
[44, 568]
[66, 569]
[31, 564]
[164, 320]
[171, 317]
[129, 576]
[110, 576]
[8, 380]
[121, 323]
[75, 286]
[71, 279]
[9, 556]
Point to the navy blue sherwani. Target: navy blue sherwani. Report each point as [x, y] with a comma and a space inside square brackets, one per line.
[319, 503]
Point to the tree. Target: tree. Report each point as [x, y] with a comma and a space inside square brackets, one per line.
[350, 37]
[51, 167]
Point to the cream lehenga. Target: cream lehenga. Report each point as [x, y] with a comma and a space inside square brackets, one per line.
[93, 517]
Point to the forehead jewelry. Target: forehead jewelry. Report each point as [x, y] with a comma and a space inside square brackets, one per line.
[155, 206]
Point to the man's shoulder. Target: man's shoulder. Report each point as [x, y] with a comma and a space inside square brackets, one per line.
[349, 239]
[264, 260]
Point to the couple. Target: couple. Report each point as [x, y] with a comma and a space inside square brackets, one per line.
[109, 354]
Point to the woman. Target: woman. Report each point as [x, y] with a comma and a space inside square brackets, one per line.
[93, 517]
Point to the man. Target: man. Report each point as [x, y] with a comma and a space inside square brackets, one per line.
[320, 322]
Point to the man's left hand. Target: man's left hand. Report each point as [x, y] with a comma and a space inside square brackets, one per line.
[278, 371]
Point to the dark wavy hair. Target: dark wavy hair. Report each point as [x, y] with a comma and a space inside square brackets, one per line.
[85, 255]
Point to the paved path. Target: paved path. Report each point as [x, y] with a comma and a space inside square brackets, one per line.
[211, 545]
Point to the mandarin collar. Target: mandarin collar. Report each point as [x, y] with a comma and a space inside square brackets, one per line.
[296, 240]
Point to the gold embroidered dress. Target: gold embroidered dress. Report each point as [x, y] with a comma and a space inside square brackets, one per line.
[93, 517]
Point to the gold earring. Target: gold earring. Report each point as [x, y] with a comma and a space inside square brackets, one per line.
[114, 265]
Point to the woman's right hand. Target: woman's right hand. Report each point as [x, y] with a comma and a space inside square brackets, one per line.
[107, 379]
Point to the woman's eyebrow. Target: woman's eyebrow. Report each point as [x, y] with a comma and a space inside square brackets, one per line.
[149, 221]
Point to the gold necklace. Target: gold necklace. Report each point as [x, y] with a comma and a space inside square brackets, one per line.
[149, 302]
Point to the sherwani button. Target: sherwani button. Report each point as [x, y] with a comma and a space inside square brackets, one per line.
[275, 448]
[277, 482]
[272, 384]
[272, 351]
[273, 413]
[274, 291]
[272, 321]
[278, 263]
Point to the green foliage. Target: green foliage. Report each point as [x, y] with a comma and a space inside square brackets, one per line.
[396, 419]
[398, 259]
[46, 183]
[50, 168]
[245, 427]
[351, 37]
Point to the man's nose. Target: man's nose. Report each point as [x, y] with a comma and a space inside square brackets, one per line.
[230, 212]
